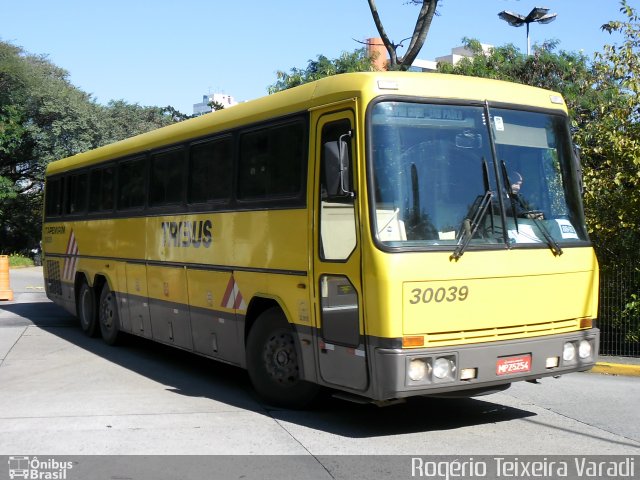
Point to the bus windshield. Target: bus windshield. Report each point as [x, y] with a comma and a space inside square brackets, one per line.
[441, 177]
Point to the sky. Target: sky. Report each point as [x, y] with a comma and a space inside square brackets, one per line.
[161, 52]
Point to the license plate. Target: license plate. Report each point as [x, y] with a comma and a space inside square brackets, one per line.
[517, 364]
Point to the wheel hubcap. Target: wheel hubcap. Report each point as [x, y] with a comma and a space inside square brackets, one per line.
[280, 359]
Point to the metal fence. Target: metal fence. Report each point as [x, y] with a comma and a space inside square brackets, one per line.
[619, 313]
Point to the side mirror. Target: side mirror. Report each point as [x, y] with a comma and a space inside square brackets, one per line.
[578, 167]
[337, 167]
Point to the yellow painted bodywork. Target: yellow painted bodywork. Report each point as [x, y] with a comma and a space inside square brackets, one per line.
[508, 294]
[515, 293]
[190, 275]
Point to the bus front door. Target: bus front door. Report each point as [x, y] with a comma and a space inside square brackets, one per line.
[339, 329]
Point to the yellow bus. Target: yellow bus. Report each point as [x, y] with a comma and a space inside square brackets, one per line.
[384, 235]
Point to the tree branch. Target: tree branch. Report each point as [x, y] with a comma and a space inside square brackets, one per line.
[425, 17]
[391, 48]
[420, 31]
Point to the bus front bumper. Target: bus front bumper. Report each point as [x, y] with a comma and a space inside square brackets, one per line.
[467, 370]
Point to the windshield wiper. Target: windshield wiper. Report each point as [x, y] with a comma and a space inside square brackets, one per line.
[471, 224]
[553, 245]
[517, 198]
[512, 197]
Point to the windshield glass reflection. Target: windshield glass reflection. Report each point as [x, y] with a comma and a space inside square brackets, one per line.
[436, 180]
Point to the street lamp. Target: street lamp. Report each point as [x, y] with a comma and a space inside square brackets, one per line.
[537, 15]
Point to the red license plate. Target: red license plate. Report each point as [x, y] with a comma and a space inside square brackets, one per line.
[509, 365]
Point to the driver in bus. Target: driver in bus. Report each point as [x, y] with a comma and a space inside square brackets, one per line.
[516, 183]
[521, 207]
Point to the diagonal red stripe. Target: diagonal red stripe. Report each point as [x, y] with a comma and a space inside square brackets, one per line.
[227, 293]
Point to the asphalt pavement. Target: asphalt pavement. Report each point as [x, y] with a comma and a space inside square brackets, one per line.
[62, 393]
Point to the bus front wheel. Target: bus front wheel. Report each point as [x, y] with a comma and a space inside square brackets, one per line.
[273, 362]
[87, 310]
[108, 316]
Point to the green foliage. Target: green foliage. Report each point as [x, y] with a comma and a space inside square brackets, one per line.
[356, 61]
[43, 117]
[611, 144]
[602, 97]
[19, 260]
[567, 72]
[7, 190]
[611, 148]
[123, 120]
[215, 106]
[630, 319]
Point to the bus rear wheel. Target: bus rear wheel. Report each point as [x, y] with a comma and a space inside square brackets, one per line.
[108, 316]
[273, 362]
[87, 310]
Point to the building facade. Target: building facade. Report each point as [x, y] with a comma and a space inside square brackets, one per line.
[207, 100]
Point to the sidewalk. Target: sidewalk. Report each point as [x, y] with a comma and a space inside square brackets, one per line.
[628, 366]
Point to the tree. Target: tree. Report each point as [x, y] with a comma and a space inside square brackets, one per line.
[570, 73]
[123, 120]
[43, 117]
[417, 39]
[356, 61]
[215, 106]
[602, 98]
[611, 146]
[601, 119]
[611, 155]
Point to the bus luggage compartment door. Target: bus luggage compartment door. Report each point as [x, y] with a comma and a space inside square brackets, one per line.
[138, 299]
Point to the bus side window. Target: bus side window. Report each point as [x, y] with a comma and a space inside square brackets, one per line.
[271, 162]
[131, 187]
[101, 189]
[76, 194]
[108, 189]
[210, 167]
[54, 197]
[167, 178]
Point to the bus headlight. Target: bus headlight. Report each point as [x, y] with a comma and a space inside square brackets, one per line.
[418, 369]
[443, 368]
[584, 349]
[569, 352]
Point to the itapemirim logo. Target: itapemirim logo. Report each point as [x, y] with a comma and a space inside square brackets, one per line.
[35, 469]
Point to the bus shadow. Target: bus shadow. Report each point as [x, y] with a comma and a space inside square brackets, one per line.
[190, 375]
[417, 414]
[42, 314]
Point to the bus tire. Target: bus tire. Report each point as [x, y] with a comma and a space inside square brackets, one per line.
[273, 365]
[87, 310]
[108, 316]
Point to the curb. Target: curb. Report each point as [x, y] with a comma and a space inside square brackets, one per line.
[616, 369]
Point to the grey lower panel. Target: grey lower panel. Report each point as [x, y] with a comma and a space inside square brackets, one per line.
[217, 335]
[139, 321]
[390, 365]
[171, 324]
[211, 333]
[343, 366]
[65, 297]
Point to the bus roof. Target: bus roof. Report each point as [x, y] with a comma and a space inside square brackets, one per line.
[364, 86]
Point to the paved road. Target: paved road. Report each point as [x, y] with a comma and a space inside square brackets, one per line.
[65, 394]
